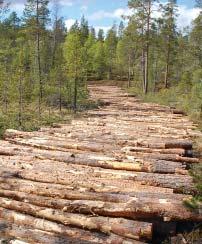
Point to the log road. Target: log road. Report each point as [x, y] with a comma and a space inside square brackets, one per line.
[113, 176]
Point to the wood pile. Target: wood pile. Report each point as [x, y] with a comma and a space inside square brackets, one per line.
[110, 177]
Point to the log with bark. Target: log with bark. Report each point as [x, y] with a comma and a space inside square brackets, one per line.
[66, 233]
[101, 179]
[119, 226]
[43, 237]
[179, 183]
[163, 207]
[139, 165]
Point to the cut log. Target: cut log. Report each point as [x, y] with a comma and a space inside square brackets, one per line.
[161, 207]
[73, 234]
[118, 226]
[138, 165]
[166, 157]
[73, 183]
[175, 151]
[179, 183]
[33, 236]
[44, 237]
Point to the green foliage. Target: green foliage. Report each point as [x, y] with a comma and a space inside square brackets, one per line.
[195, 202]
[48, 69]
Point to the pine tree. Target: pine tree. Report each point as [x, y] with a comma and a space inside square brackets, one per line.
[110, 47]
[127, 49]
[143, 14]
[169, 36]
[101, 35]
[196, 41]
[36, 17]
[73, 53]
[92, 32]
[89, 52]
[99, 60]
[121, 30]
[84, 29]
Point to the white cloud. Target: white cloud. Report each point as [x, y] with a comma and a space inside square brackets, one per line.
[186, 16]
[69, 23]
[117, 13]
[104, 28]
[66, 2]
[19, 4]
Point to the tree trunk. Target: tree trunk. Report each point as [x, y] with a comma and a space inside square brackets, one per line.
[60, 93]
[20, 88]
[39, 58]
[147, 48]
[167, 64]
[75, 95]
[129, 71]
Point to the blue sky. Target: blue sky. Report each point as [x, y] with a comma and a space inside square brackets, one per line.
[103, 13]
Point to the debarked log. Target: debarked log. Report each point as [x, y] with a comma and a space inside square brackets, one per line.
[119, 226]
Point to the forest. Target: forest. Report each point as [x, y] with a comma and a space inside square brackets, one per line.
[45, 68]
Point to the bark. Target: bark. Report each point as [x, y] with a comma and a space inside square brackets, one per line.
[119, 226]
[59, 161]
[68, 233]
[77, 174]
[180, 183]
[167, 63]
[173, 207]
[176, 151]
[39, 57]
[44, 237]
[175, 158]
[152, 143]
[33, 236]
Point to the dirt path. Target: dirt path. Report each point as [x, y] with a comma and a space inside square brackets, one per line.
[119, 175]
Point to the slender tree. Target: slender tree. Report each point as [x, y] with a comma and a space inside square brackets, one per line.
[101, 35]
[36, 16]
[169, 36]
[110, 46]
[73, 55]
[143, 14]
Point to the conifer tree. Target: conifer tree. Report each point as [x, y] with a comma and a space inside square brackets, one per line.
[169, 36]
[73, 55]
[110, 47]
[101, 35]
[143, 14]
[36, 17]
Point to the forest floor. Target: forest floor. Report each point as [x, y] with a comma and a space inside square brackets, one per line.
[118, 174]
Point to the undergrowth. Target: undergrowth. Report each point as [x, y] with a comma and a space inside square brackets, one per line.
[30, 120]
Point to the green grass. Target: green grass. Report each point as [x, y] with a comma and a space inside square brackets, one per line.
[30, 117]
[188, 100]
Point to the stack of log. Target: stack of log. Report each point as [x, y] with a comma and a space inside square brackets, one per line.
[109, 178]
